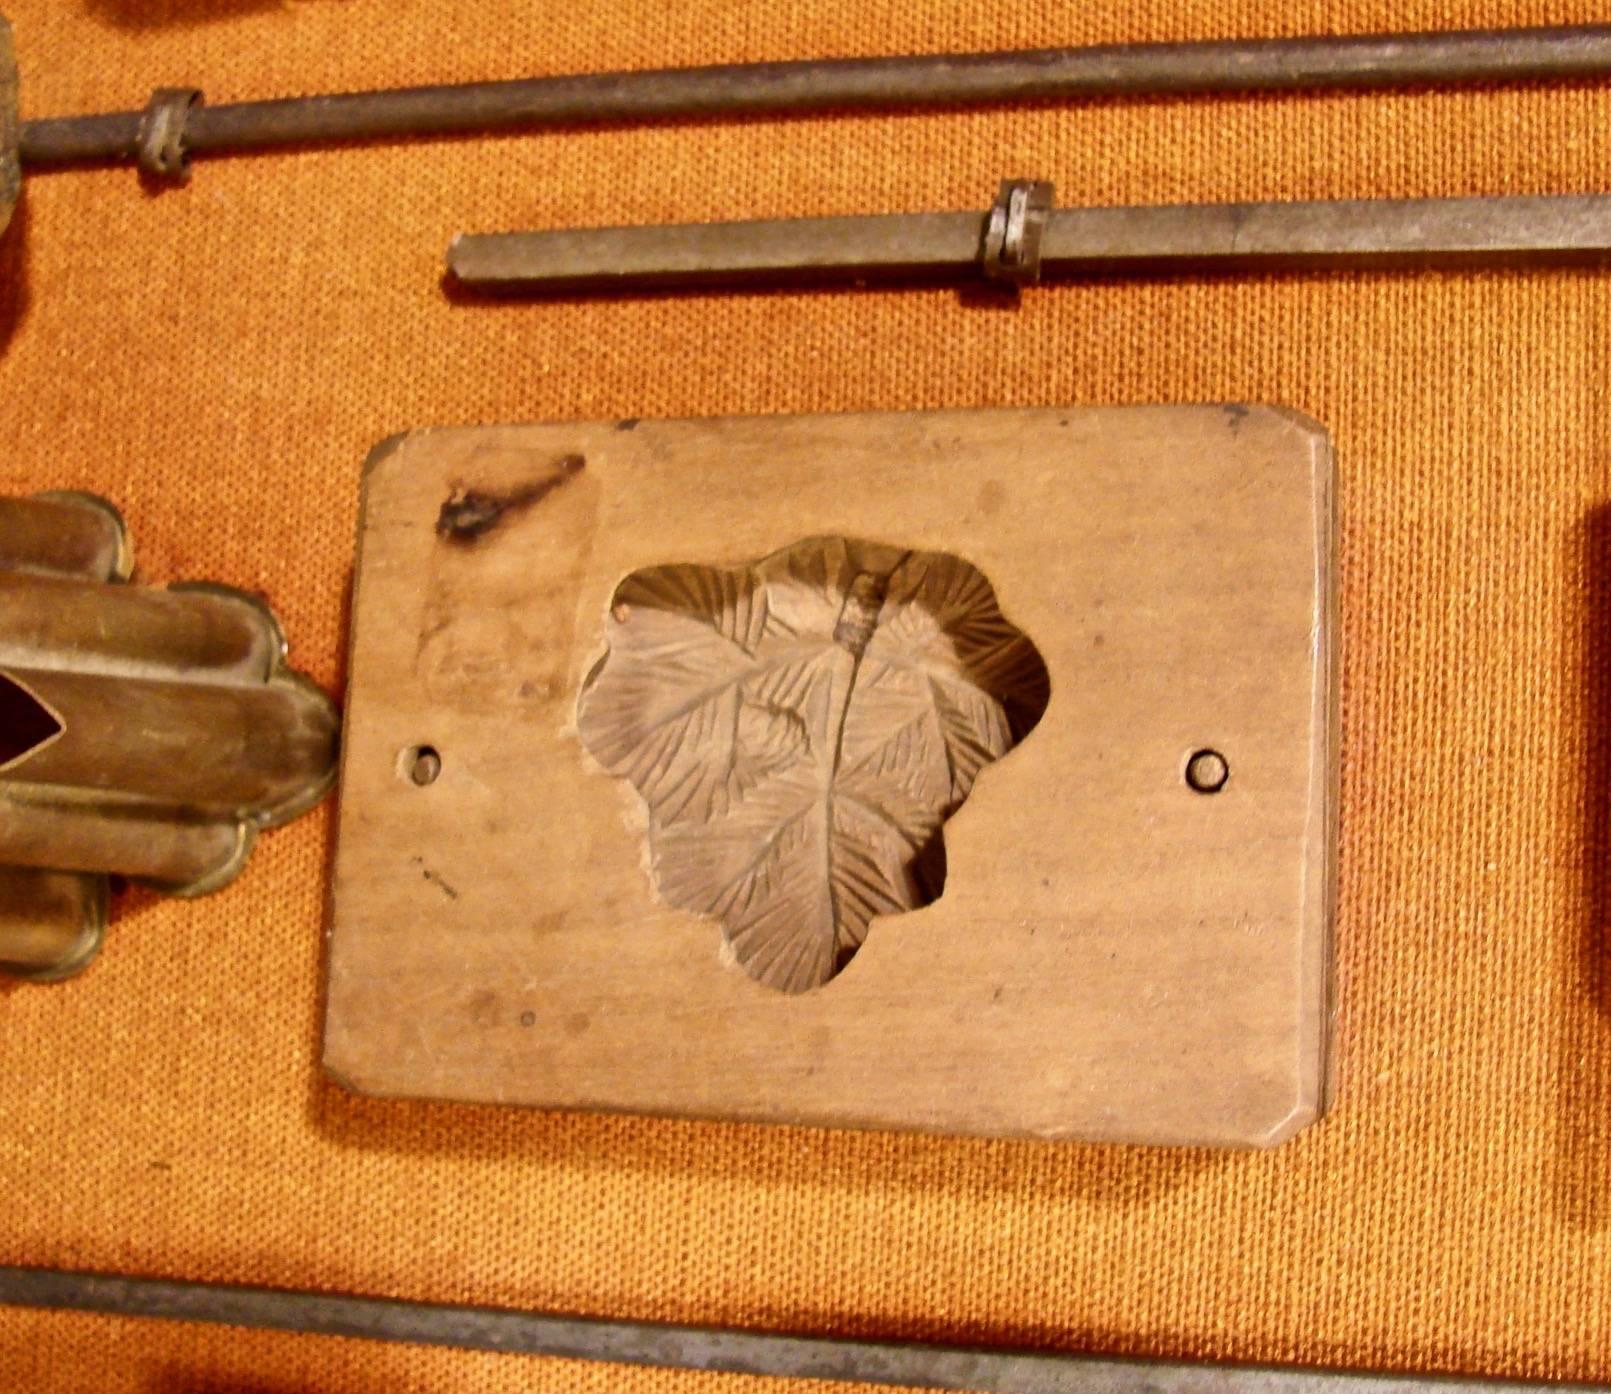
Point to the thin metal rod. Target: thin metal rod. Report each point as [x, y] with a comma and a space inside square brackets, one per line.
[703, 1348]
[1564, 54]
[1241, 237]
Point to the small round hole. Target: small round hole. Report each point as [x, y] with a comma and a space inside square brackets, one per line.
[421, 764]
[1207, 771]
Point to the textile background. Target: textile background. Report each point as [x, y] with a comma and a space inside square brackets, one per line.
[219, 359]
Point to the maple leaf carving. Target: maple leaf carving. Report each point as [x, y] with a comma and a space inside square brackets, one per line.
[800, 728]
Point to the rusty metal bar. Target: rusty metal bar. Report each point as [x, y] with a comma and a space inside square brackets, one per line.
[1366, 62]
[784, 251]
[1200, 238]
[705, 1348]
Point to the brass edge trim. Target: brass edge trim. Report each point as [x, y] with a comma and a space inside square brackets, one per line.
[216, 879]
[307, 797]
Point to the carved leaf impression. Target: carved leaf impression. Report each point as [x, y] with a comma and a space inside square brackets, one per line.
[800, 728]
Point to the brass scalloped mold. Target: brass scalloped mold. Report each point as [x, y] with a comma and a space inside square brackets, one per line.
[146, 733]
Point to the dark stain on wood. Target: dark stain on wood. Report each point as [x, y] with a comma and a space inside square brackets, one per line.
[435, 878]
[470, 514]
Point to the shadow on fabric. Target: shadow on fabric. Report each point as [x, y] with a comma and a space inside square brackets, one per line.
[175, 1379]
[175, 14]
[1583, 1066]
[15, 296]
[1101, 1173]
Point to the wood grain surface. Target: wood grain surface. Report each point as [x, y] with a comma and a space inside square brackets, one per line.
[1116, 955]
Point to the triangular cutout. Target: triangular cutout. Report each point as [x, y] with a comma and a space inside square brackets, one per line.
[26, 723]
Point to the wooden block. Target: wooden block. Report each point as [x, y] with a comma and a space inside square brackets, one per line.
[663, 736]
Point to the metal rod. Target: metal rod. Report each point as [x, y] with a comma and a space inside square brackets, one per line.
[703, 1348]
[1363, 234]
[1564, 54]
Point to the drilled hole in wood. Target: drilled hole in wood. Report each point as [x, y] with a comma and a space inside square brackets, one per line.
[420, 764]
[1207, 771]
[800, 729]
[26, 723]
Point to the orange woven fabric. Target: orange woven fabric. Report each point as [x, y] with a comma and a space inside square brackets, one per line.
[219, 359]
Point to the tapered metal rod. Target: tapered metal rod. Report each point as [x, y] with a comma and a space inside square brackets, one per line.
[1573, 53]
[1242, 237]
[704, 1348]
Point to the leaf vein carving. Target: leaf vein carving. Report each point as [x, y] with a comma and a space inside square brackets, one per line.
[800, 728]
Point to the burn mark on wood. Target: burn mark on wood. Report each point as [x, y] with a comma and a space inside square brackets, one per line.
[470, 514]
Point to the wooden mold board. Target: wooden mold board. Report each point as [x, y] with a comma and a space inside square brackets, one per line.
[1114, 956]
